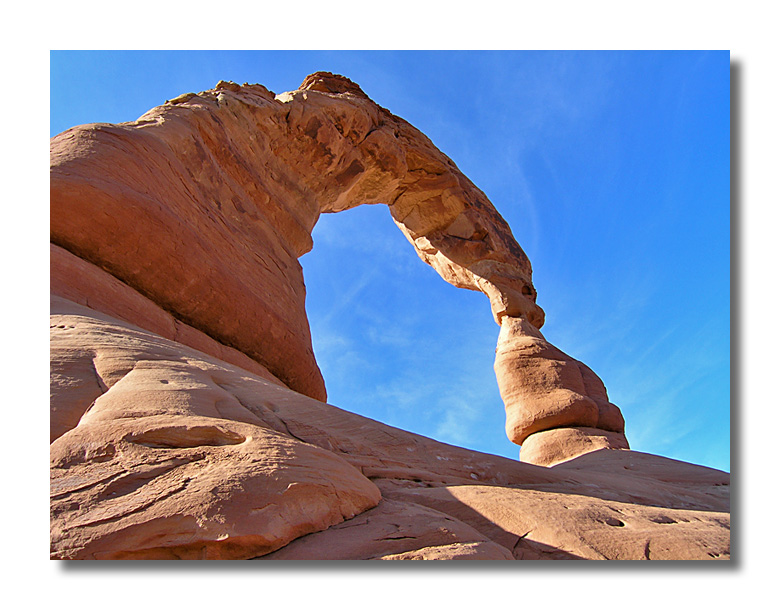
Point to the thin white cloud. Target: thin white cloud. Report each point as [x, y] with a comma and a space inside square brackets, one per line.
[348, 297]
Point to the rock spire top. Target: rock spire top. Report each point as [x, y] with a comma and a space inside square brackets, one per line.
[327, 82]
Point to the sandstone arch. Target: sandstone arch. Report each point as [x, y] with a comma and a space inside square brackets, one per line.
[203, 206]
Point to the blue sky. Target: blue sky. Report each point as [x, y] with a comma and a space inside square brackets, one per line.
[612, 168]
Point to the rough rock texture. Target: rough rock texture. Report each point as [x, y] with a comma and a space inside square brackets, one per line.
[86, 284]
[220, 192]
[175, 454]
[551, 447]
[186, 405]
[165, 462]
[204, 205]
[396, 530]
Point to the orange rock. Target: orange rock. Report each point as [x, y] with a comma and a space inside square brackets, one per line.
[186, 404]
[76, 280]
[204, 204]
[166, 464]
[395, 530]
[544, 389]
[551, 447]
[549, 525]
[179, 455]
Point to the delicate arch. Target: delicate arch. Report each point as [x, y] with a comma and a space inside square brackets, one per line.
[205, 203]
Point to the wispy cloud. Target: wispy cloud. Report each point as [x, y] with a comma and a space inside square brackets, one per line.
[348, 297]
[660, 391]
[389, 335]
[459, 419]
[524, 211]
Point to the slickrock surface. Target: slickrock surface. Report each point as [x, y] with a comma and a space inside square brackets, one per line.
[179, 455]
[187, 409]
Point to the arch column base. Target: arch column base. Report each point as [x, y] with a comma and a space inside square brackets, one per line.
[551, 447]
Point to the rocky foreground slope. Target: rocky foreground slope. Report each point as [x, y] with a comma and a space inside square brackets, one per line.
[187, 409]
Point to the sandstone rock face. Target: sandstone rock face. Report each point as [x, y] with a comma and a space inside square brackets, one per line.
[187, 413]
[175, 454]
[166, 463]
[84, 283]
[396, 530]
[551, 447]
[204, 205]
[547, 392]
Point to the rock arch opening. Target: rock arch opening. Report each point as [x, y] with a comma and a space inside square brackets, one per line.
[393, 341]
[222, 190]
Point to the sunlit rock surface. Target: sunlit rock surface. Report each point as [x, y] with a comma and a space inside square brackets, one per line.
[187, 409]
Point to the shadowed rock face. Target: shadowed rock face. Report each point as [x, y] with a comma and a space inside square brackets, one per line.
[187, 413]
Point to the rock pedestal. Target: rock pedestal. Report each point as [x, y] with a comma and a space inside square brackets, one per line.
[551, 398]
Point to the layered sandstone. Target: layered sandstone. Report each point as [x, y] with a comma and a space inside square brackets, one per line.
[556, 407]
[187, 407]
[176, 454]
[204, 205]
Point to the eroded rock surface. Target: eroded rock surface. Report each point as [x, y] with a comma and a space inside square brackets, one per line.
[204, 205]
[180, 455]
[187, 409]
[556, 407]
[167, 463]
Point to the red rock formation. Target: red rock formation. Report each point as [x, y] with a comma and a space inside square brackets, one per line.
[205, 204]
[179, 455]
[557, 408]
[186, 402]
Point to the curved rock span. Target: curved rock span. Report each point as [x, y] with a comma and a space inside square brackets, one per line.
[187, 409]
